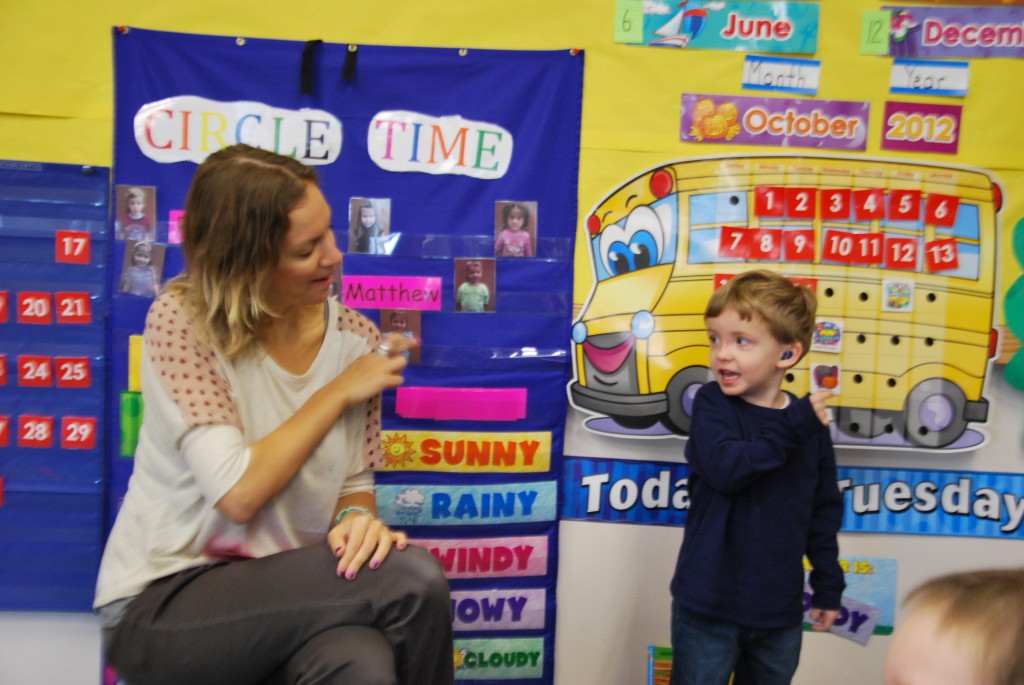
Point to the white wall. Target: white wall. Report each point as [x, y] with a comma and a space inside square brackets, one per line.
[49, 649]
[613, 598]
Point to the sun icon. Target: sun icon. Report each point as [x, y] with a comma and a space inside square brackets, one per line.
[398, 450]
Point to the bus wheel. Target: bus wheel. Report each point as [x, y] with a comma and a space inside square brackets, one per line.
[635, 422]
[681, 389]
[858, 422]
[933, 413]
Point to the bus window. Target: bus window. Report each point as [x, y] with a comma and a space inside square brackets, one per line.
[916, 226]
[718, 208]
[704, 244]
[966, 225]
[968, 262]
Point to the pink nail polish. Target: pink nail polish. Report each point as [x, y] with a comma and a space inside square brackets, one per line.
[374, 564]
[350, 575]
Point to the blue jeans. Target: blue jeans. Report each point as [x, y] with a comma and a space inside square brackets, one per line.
[707, 651]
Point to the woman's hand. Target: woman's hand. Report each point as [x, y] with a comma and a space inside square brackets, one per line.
[360, 538]
[377, 371]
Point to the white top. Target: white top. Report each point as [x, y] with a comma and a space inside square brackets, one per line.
[201, 413]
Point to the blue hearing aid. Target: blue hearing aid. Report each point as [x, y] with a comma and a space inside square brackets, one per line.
[788, 354]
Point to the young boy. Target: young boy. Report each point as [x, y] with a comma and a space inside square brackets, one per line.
[763, 494]
[961, 629]
[473, 295]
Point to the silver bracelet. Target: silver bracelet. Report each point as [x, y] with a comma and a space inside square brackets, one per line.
[350, 510]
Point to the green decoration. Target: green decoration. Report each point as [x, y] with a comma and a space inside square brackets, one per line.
[131, 421]
[1015, 370]
[1018, 242]
[1013, 309]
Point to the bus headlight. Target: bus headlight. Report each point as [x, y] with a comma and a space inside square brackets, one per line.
[579, 332]
[642, 325]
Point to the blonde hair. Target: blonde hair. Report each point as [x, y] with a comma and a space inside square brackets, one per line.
[236, 218]
[786, 308]
[985, 609]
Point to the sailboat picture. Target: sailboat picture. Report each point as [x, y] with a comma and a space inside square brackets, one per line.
[683, 27]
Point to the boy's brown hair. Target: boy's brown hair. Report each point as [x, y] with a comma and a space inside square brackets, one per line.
[786, 308]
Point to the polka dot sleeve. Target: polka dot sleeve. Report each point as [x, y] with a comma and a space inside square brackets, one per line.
[187, 366]
[353, 322]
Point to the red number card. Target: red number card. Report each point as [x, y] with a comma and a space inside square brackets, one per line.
[836, 204]
[3, 369]
[905, 205]
[838, 247]
[766, 243]
[73, 307]
[35, 431]
[940, 210]
[5, 422]
[799, 245]
[3, 306]
[869, 204]
[78, 433]
[34, 371]
[72, 247]
[769, 201]
[73, 372]
[941, 255]
[734, 242]
[34, 308]
[801, 203]
[722, 279]
[867, 249]
[900, 253]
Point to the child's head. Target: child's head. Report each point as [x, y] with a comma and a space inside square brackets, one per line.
[398, 321]
[961, 629]
[142, 254]
[516, 216]
[135, 200]
[786, 308]
[474, 271]
[367, 214]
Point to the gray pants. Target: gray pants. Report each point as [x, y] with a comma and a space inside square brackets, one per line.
[288, 618]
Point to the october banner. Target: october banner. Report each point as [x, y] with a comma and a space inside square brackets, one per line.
[778, 122]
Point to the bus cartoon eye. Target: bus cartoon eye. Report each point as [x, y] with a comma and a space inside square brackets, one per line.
[636, 246]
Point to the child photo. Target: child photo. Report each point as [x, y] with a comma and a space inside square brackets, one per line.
[143, 265]
[369, 226]
[136, 213]
[475, 291]
[515, 229]
[407, 323]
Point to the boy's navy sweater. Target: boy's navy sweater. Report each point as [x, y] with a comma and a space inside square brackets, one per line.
[763, 494]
